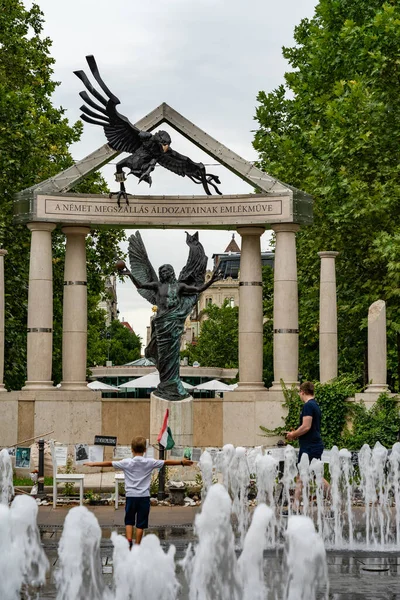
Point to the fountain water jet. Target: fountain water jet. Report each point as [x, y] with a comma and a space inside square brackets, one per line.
[6, 478]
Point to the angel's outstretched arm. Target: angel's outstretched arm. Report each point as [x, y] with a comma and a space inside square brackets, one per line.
[192, 289]
[151, 285]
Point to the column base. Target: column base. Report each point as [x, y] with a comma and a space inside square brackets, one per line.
[38, 385]
[375, 388]
[74, 385]
[250, 386]
[277, 386]
[2, 388]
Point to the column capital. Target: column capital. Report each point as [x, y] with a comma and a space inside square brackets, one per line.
[40, 226]
[75, 230]
[328, 254]
[250, 230]
[3, 252]
[291, 227]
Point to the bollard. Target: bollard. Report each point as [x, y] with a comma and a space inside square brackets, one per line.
[41, 470]
[161, 475]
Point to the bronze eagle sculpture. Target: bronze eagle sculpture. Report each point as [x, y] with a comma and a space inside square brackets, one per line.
[146, 149]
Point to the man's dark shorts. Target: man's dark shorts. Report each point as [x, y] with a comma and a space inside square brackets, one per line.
[311, 452]
[137, 512]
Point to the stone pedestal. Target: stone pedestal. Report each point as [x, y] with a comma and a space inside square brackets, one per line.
[75, 310]
[244, 412]
[2, 254]
[328, 346]
[180, 419]
[286, 314]
[377, 348]
[40, 308]
[250, 311]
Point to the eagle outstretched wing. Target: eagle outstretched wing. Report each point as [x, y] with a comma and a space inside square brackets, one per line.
[141, 267]
[120, 133]
[184, 166]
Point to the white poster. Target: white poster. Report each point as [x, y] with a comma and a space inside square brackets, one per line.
[81, 453]
[150, 452]
[196, 453]
[61, 455]
[121, 452]
[176, 452]
[96, 453]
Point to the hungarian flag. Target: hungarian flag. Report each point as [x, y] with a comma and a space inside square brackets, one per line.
[165, 436]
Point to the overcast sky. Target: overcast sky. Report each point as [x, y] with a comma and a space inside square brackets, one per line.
[208, 59]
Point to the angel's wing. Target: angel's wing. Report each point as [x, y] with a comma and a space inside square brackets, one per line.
[120, 133]
[184, 166]
[194, 272]
[141, 267]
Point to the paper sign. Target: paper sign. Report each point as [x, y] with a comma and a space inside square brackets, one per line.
[23, 458]
[196, 453]
[150, 452]
[61, 455]
[96, 453]
[81, 453]
[176, 452]
[121, 452]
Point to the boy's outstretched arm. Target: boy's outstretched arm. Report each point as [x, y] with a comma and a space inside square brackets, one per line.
[174, 463]
[106, 463]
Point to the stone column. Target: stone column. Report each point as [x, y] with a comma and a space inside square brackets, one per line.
[286, 314]
[377, 347]
[2, 254]
[40, 308]
[250, 311]
[75, 310]
[328, 346]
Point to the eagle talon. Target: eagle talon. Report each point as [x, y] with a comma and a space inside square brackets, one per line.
[120, 194]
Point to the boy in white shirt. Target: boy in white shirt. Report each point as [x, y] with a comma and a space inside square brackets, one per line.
[137, 471]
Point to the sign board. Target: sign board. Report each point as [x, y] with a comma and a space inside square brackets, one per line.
[105, 440]
[208, 212]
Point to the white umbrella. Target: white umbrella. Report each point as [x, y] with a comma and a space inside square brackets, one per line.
[99, 385]
[151, 380]
[215, 385]
[233, 386]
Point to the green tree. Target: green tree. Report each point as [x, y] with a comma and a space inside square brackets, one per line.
[123, 345]
[217, 345]
[34, 141]
[333, 130]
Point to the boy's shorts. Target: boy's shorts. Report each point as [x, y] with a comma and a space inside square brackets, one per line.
[137, 512]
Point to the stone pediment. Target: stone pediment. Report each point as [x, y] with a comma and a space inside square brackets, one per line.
[273, 201]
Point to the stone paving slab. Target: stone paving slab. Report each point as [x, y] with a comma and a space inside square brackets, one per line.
[107, 516]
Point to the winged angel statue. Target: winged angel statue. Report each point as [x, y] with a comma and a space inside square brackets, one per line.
[146, 150]
[174, 300]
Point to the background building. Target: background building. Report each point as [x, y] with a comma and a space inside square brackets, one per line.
[226, 289]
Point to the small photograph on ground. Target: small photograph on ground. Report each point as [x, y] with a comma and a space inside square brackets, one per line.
[81, 453]
[22, 458]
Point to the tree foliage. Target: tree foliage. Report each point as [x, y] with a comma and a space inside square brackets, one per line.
[34, 145]
[333, 130]
[217, 345]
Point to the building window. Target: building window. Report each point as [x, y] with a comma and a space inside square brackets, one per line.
[231, 302]
[208, 301]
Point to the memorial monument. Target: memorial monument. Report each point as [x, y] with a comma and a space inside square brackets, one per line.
[75, 413]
